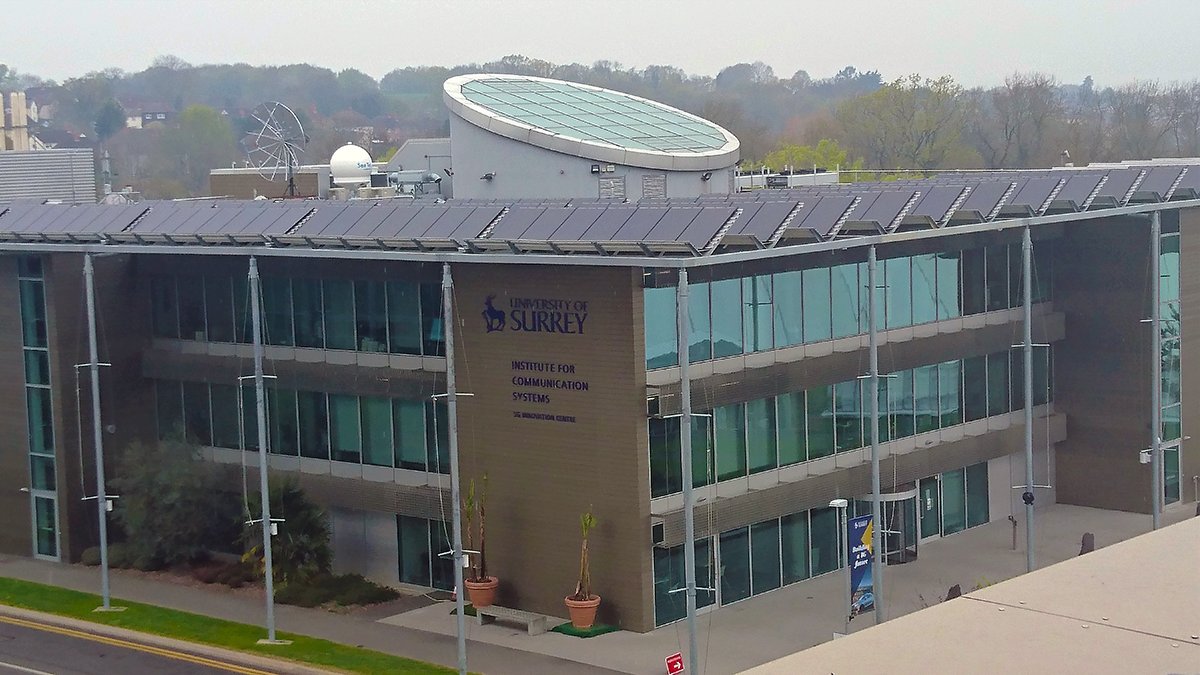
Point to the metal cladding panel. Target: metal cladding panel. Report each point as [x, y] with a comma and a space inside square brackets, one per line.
[475, 223]
[396, 221]
[887, 206]
[1079, 187]
[706, 225]
[825, 214]
[986, 196]
[514, 223]
[763, 224]
[936, 202]
[1118, 184]
[672, 225]
[640, 223]
[370, 220]
[1158, 181]
[544, 227]
[1034, 193]
[421, 222]
[608, 223]
[325, 214]
[445, 226]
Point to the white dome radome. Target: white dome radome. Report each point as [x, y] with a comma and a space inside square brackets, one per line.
[350, 166]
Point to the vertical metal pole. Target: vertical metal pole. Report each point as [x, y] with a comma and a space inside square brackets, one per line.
[97, 439]
[1156, 463]
[261, 408]
[1027, 289]
[845, 535]
[873, 388]
[460, 621]
[685, 462]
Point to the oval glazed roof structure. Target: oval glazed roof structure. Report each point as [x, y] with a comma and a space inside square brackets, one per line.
[590, 122]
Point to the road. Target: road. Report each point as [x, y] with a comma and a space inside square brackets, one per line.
[34, 648]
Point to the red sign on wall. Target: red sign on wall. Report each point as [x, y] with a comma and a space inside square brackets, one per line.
[675, 663]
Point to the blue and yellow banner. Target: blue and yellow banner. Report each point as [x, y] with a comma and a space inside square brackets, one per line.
[858, 540]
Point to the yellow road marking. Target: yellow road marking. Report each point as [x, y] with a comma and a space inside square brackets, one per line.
[115, 642]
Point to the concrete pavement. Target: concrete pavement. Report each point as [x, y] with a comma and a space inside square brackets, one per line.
[732, 638]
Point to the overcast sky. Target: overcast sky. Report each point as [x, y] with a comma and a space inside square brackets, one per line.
[977, 42]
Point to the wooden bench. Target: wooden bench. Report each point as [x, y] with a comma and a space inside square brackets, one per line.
[535, 624]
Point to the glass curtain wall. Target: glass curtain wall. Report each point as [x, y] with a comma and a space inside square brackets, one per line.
[1169, 325]
[35, 347]
[771, 311]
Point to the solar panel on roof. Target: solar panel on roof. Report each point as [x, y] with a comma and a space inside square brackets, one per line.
[395, 221]
[886, 208]
[78, 220]
[474, 224]
[763, 224]
[1117, 185]
[936, 201]
[983, 198]
[707, 223]
[222, 219]
[608, 223]
[1076, 191]
[673, 223]
[578, 222]
[443, 227]
[514, 223]
[1028, 199]
[324, 214]
[117, 220]
[371, 219]
[546, 223]
[1157, 183]
[825, 214]
[421, 222]
[1188, 186]
[640, 223]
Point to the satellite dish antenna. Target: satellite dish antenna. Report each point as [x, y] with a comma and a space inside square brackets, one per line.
[273, 143]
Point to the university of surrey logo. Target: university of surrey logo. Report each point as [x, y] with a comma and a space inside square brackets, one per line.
[494, 319]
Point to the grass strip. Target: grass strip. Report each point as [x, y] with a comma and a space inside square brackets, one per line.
[206, 630]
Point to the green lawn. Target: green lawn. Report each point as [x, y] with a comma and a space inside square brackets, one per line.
[205, 630]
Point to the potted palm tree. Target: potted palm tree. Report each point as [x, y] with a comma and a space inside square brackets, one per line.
[481, 587]
[582, 604]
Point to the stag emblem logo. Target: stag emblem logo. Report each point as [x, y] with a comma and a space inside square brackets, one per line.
[494, 319]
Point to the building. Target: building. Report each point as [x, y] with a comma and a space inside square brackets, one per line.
[1098, 613]
[57, 174]
[566, 339]
[521, 137]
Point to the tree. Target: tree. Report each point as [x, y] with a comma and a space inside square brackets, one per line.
[301, 550]
[827, 154]
[171, 508]
[1009, 124]
[202, 141]
[912, 123]
[110, 120]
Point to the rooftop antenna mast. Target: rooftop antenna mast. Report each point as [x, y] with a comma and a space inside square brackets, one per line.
[273, 143]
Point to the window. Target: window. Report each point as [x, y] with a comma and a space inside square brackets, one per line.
[376, 420]
[197, 421]
[433, 337]
[226, 430]
[42, 473]
[901, 406]
[415, 555]
[408, 424]
[404, 317]
[670, 603]
[996, 261]
[731, 441]
[788, 321]
[764, 557]
[816, 312]
[925, 382]
[735, 565]
[948, 300]
[954, 501]
[437, 436]
[314, 424]
[666, 475]
[37, 367]
[249, 418]
[277, 311]
[726, 318]
[370, 315]
[46, 525]
[33, 313]
[975, 388]
[899, 292]
[844, 300]
[164, 307]
[824, 548]
[997, 384]
[339, 313]
[699, 323]
[760, 432]
[191, 309]
[950, 393]
[974, 282]
[977, 494]
[662, 338]
[924, 288]
[309, 317]
[793, 532]
[283, 421]
[344, 428]
[756, 315]
[1016, 292]
[218, 308]
[790, 418]
[819, 405]
[848, 415]
[168, 404]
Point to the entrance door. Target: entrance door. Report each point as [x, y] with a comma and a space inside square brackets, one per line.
[928, 508]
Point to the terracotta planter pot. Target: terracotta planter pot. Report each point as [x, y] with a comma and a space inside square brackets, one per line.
[482, 593]
[583, 612]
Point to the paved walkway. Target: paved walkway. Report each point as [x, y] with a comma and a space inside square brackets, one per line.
[733, 638]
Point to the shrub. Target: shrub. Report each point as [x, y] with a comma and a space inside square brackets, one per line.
[301, 550]
[90, 556]
[169, 507]
[343, 590]
[119, 556]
